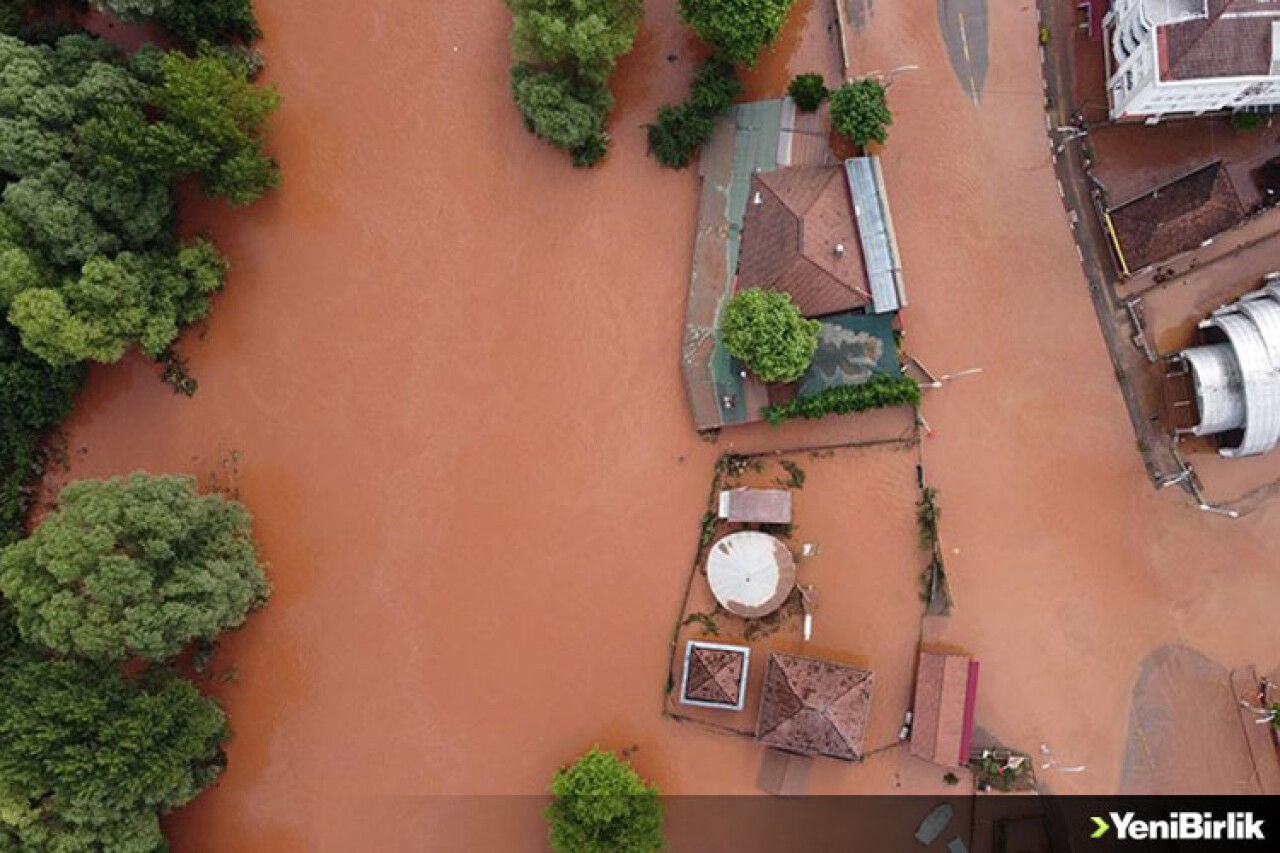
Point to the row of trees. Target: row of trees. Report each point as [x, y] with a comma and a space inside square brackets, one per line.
[737, 30]
[93, 144]
[99, 734]
[565, 52]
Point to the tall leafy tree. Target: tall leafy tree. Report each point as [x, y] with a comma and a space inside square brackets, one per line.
[133, 567]
[191, 21]
[860, 112]
[765, 329]
[602, 805]
[89, 757]
[737, 29]
[565, 51]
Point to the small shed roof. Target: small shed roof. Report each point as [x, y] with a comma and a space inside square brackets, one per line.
[875, 232]
[756, 506]
[814, 707]
[942, 721]
[715, 675]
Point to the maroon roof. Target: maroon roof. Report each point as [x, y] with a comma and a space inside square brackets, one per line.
[1176, 217]
[942, 718]
[814, 707]
[714, 675]
[1232, 40]
[790, 240]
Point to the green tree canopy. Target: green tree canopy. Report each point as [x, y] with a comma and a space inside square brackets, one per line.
[34, 398]
[766, 331]
[808, 91]
[603, 806]
[133, 567]
[89, 757]
[737, 29]
[566, 50]
[191, 21]
[92, 144]
[860, 112]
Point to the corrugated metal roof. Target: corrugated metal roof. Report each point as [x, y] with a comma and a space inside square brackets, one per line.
[875, 232]
[1237, 377]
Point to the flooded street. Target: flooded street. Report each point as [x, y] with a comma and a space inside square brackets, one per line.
[445, 373]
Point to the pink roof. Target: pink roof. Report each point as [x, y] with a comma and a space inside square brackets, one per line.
[942, 722]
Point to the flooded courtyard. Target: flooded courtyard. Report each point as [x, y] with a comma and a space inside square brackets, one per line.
[445, 378]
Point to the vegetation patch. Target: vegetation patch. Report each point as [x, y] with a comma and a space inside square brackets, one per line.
[808, 91]
[879, 391]
[566, 50]
[860, 112]
[601, 805]
[737, 29]
[766, 331]
[681, 130]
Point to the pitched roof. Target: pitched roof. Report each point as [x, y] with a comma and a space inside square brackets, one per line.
[790, 240]
[1232, 39]
[814, 707]
[942, 716]
[1176, 217]
[714, 674]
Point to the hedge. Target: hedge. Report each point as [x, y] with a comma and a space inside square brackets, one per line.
[879, 391]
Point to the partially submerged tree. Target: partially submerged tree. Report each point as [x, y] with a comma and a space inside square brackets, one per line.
[681, 130]
[191, 21]
[133, 567]
[737, 29]
[860, 112]
[765, 330]
[90, 758]
[603, 806]
[808, 91]
[566, 51]
[92, 145]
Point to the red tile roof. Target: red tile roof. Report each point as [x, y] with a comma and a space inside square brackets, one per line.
[1232, 40]
[715, 675]
[790, 240]
[814, 707]
[1176, 217]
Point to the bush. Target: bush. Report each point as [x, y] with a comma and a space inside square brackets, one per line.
[1247, 121]
[715, 87]
[34, 398]
[808, 91]
[860, 112]
[737, 29]
[603, 806]
[567, 115]
[877, 392]
[682, 129]
[678, 134]
[765, 330]
[133, 567]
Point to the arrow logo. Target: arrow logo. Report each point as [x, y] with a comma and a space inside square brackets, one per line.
[1102, 825]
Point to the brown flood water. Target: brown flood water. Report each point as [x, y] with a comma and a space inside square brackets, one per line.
[447, 366]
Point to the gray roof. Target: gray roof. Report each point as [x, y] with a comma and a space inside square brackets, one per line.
[1237, 374]
[875, 232]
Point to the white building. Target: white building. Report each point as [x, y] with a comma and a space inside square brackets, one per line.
[1236, 373]
[1187, 57]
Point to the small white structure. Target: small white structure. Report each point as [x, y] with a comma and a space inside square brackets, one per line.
[751, 573]
[758, 506]
[1188, 57]
[1236, 374]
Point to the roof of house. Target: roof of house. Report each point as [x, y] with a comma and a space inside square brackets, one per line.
[1177, 216]
[761, 506]
[714, 674]
[1232, 38]
[799, 237]
[942, 718]
[814, 707]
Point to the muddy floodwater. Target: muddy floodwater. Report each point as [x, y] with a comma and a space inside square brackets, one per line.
[445, 378]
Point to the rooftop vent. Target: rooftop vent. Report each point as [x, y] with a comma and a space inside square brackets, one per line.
[757, 199]
[839, 250]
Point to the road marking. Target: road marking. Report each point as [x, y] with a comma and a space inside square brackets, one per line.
[1047, 125]
[1079, 254]
[1061, 193]
[973, 90]
[964, 39]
